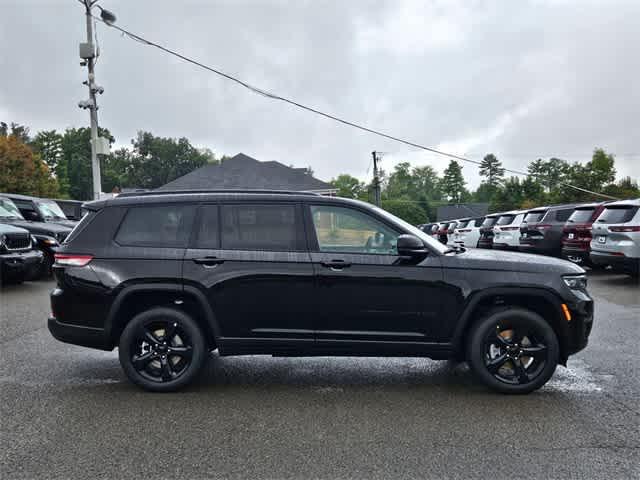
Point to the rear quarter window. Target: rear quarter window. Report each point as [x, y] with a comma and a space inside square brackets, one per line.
[617, 214]
[156, 226]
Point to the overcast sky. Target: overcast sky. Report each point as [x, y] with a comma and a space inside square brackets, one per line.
[522, 79]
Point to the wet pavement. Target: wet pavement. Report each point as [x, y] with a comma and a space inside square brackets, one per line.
[68, 412]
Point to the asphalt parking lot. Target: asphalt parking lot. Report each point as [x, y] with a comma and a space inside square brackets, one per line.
[68, 412]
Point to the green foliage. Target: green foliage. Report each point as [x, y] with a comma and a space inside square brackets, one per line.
[348, 186]
[491, 169]
[453, 183]
[406, 209]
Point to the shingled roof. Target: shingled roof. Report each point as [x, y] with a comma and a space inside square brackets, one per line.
[244, 172]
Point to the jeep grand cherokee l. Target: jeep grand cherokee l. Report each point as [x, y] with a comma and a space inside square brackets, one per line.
[169, 277]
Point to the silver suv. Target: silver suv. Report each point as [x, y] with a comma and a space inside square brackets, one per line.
[616, 237]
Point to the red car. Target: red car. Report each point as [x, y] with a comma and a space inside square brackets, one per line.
[576, 234]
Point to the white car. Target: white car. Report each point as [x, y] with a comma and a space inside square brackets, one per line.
[506, 230]
[615, 237]
[451, 229]
[468, 234]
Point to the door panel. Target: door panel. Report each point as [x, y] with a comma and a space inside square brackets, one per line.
[366, 291]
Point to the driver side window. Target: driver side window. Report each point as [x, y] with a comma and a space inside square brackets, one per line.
[345, 230]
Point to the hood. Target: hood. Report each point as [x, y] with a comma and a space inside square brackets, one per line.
[6, 228]
[481, 259]
[64, 223]
[40, 228]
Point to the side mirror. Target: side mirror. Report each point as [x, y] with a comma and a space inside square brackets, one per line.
[411, 246]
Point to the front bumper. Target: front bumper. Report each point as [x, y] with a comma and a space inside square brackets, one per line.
[580, 325]
[20, 264]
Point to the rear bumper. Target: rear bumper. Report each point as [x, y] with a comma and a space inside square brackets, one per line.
[20, 264]
[617, 262]
[78, 335]
[576, 255]
[503, 246]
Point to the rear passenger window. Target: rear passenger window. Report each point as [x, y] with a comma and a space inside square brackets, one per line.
[261, 227]
[156, 226]
[208, 233]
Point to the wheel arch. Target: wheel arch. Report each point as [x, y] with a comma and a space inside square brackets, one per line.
[134, 299]
[540, 300]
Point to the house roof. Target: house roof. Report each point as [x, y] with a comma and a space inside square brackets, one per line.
[244, 172]
[462, 210]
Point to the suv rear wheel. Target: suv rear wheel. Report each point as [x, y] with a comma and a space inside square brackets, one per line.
[513, 350]
[162, 349]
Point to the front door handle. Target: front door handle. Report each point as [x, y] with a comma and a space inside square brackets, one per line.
[336, 265]
[208, 261]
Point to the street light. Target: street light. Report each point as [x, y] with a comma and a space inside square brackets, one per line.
[88, 55]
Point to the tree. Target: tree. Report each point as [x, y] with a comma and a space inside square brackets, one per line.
[48, 145]
[348, 186]
[624, 188]
[509, 196]
[453, 183]
[491, 168]
[157, 161]
[23, 172]
[16, 130]
[406, 209]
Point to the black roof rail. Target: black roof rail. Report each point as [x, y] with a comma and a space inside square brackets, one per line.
[179, 192]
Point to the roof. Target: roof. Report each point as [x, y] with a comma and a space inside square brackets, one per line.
[245, 173]
[631, 201]
[462, 210]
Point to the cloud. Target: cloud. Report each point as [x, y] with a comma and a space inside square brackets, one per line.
[520, 79]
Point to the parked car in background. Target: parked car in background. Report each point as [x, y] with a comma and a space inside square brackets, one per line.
[486, 230]
[541, 229]
[72, 208]
[442, 232]
[506, 230]
[169, 277]
[616, 237]
[453, 227]
[19, 260]
[48, 235]
[40, 210]
[469, 235]
[576, 234]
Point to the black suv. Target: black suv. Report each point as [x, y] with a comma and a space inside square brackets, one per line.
[47, 235]
[168, 277]
[541, 229]
[18, 259]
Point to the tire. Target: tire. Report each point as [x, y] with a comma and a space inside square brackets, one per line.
[497, 347]
[162, 349]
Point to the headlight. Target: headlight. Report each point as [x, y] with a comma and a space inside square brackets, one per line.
[576, 282]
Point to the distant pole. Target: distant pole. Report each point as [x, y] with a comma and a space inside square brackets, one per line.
[93, 106]
[376, 179]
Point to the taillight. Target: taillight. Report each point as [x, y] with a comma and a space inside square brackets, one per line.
[542, 227]
[628, 228]
[510, 228]
[70, 260]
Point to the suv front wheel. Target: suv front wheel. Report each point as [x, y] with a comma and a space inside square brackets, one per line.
[513, 350]
[162, 349]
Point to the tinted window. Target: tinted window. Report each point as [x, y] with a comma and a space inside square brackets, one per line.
[505, 220]
[617, 214]
[208, 232]
[261, 227]
[489, 221]
[581, 215]
[156, 226]
[563, 215]
[462, 224]
[347, 230]
[533, 217]
[80, 226]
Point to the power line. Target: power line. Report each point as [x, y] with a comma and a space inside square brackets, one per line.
[274, 96]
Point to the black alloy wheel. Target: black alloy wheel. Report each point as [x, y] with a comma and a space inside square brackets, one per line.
[513, 350]
[162, 349]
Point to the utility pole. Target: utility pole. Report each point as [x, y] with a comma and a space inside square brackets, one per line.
[376, 179]
[99, 145]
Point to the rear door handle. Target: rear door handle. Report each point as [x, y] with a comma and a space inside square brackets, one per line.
[208, 261]
[336, 265]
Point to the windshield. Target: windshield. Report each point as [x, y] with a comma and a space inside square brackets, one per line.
[533, 217]
[617, 214]
[50, 210]
[489, 221]
[505, 220]
[9, 210]
[582, 215]
[434, 244]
